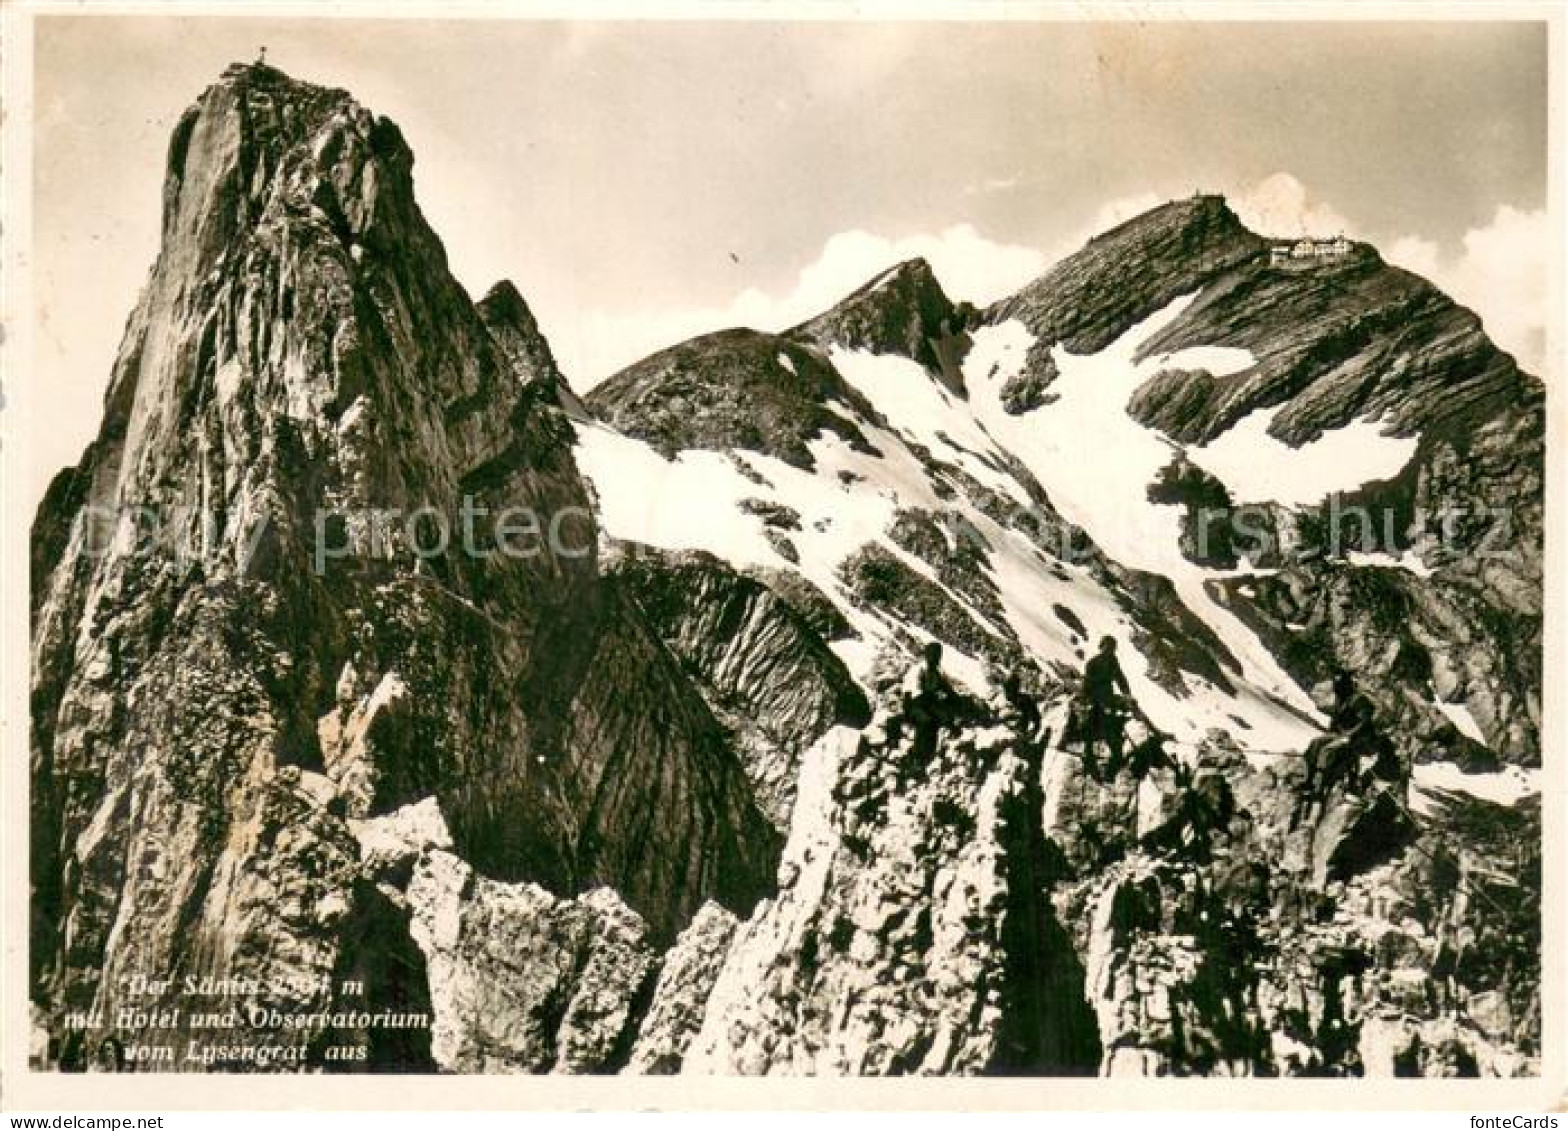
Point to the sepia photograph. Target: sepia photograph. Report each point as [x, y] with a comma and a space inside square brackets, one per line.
[795, 542]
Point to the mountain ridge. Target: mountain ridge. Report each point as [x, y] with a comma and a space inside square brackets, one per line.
[648, 797]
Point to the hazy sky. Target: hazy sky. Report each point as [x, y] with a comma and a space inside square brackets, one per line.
[644, 181]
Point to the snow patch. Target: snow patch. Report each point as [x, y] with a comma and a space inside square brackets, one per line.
[1256, 467]
[1407, 561]
[407, 831]
[1507, 787]
[1463, 720]
[690, 502]
[1217, 361]
[909, 399]
[1096, 463]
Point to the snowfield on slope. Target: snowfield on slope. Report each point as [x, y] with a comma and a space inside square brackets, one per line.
[1096, 463]
[1256, 467]
[1507, 787]
[983, 444]
[697, 501]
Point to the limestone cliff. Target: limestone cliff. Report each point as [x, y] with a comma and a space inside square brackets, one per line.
[323, 436]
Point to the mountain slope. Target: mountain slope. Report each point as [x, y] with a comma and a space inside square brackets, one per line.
[1046, 497]
[311, 410]
[1350, 392]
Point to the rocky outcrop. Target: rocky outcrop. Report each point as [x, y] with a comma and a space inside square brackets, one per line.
[521, 981]
[681, 995]
[1216, 941]
[904, 311]
[1028, 389]
[876, 578]
[1209, 515]
[763, 669]
[515, 330]
[1417, 645]
[910, 933]
[734, 389]
[326, 432]
[1126, 274]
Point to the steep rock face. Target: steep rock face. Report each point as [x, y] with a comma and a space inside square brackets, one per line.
[681, 995]
[910, 933]
[764, 670]
[301, 376]
[1350, 337]
[1422, 647]
[902, 311]
[515, 330]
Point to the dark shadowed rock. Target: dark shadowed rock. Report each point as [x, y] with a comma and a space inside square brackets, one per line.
[762, 667]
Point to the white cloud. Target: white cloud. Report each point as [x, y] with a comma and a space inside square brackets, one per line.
[1501, 273]
[969, 265]
[1280, 205]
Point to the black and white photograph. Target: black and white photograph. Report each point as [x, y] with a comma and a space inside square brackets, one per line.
[999, 542]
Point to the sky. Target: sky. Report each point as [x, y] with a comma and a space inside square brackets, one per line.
[642, 182]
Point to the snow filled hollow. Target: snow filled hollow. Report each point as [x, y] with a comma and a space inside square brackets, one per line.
[1506, 787]
[1256, 467]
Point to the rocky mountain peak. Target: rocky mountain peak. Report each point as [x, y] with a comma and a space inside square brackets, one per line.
[515, 329]
[733, 389]
[258, 140]
[301, 378]
[1122, 276]
[902, 311]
